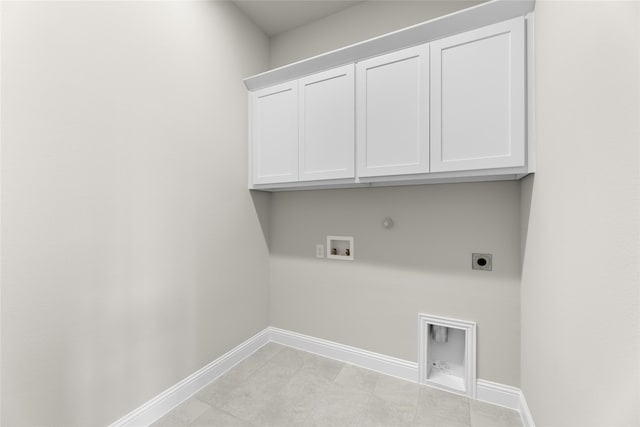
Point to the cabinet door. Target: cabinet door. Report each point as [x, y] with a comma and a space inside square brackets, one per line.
[392, 98]
[274, 134]
[478, 99]
[327, 125]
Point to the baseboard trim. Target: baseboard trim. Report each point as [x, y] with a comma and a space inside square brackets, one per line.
[160, 405]
[507, 396]
[367, 359]
[156, 408]
[525, 413]
[498, 394]
[487, 391]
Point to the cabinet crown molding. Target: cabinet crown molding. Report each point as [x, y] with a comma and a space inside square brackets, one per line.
[488, 13]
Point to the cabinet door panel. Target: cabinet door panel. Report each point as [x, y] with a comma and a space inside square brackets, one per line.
[478, 99]
[327, 125]
[274, 134]
[392, 113]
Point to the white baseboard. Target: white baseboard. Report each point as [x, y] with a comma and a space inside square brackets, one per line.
[153, 410]
[367, 359]
[525, 413]
[160, 405]
[498, 394]
[507, 396]
[487, 391]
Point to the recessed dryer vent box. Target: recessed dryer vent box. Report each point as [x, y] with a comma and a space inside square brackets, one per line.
[340, 247]
[448, 354]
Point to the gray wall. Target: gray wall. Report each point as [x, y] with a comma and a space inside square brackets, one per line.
[132, 254]
[580, 300]
[421, 265]
[355, 24]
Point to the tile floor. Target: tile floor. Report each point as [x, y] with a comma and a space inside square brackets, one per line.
[281, 386]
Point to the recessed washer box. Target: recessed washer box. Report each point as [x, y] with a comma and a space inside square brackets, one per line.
[340, 247]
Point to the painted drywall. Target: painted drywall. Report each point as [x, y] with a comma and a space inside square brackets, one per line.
[580, 284]
[355, 24]
[422, 265]
[132, 254]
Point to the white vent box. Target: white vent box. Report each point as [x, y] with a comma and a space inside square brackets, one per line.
[447, 358]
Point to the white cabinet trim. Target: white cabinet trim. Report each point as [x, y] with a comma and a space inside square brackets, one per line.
[487, 13]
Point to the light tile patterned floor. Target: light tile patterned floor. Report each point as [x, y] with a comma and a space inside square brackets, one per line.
[281, 386]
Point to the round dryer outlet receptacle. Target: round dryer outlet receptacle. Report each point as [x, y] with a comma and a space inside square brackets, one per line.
[481, 262]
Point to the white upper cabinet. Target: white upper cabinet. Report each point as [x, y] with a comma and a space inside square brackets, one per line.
[447, 100]
[274, 134]
[478, 98]
[327, 125]
[392, 109]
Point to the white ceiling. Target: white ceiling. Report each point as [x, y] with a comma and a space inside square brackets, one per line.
[277, 16]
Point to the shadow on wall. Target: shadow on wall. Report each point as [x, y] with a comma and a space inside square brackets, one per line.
[526, 194]
[436, 227]
[262, 205]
